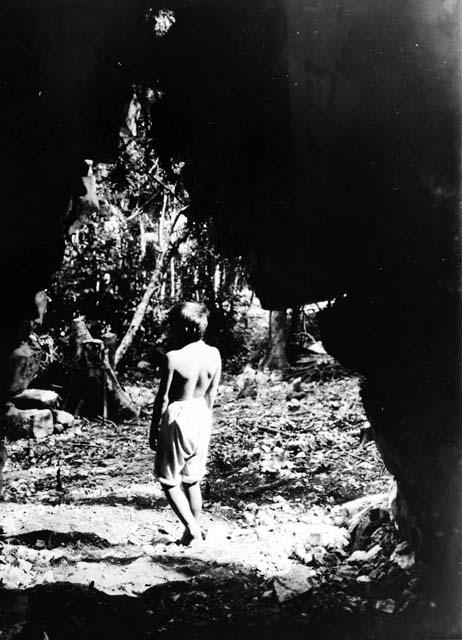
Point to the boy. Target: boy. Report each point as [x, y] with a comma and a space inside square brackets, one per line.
[182, 415]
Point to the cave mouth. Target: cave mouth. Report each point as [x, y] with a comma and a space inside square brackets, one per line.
[291, 123]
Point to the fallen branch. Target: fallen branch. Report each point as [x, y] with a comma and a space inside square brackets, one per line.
[272, 430]
[265, 487]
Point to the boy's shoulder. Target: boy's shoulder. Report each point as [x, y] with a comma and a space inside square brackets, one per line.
[186, 351]
[171, 356]
[213, 351]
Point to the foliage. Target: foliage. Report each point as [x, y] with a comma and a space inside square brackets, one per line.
[112, 257]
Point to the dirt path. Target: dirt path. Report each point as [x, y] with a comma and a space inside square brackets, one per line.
[81, 509]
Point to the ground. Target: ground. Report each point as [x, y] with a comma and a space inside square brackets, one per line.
[88, 544]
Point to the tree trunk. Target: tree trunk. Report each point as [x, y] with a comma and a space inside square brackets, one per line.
[86, 391]
[110, 344]
[93, 388]
[277, 343]
[293, 340]
[154, 284]
[138, 317]
[172, 278]
[119, 405]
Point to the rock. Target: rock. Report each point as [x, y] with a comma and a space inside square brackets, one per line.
[143, 365]
[345, 513]
[317, 347]
[325, 535]
[363, 579]
[293, 404]
[27, 423]
[247, 384]
[403, 556]
[365, 520]
[296, 395]
[24, 365]
[386, 606]
[36, 399]
[13, 576]
[364, 556]
[293, 583]
[297, 385]
[63, 418]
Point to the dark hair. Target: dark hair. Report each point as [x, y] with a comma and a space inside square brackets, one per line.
[189, 320]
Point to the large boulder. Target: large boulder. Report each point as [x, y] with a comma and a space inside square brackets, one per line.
[36, 399]
[63, 420]
[24, 365]
[27, 423]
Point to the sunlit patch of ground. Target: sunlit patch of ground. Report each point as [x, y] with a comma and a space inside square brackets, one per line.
[83, 520]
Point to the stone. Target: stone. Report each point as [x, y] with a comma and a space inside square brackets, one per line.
[27, 423]
[325, 535]
[318, 348]
[293, 404]
[35, 399]
[143, 365]
[386, 606]
[345, 513]
[63, 418]
[24, 365]
[295, 582]
[360, 556]
[297, 385]
[403, 556]
[364, 526]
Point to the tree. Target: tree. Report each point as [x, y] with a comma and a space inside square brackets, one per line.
[165, 260]
[130, 261]
[276, 357]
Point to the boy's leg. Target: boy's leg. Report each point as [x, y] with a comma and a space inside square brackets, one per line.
[194, 496]
[180, 505]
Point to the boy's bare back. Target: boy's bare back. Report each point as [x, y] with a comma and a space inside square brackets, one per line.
[194, 372]
[181, 421]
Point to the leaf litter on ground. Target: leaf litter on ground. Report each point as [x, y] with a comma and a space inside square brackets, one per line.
[278, 471]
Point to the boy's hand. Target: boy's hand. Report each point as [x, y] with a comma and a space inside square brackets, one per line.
[153, 439]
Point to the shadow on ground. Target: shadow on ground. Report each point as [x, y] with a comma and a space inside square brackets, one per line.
[74, 612]
[49, 539]
[115, 500]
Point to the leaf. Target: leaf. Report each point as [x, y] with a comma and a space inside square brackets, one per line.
[386, 606]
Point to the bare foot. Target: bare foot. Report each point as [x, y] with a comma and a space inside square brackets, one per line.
[189, 537]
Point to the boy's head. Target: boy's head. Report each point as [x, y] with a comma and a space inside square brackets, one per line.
[188, 321]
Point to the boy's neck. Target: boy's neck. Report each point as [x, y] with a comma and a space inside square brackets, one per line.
[190, 342]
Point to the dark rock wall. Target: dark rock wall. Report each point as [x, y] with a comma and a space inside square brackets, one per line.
[323, 137]
[66, 72]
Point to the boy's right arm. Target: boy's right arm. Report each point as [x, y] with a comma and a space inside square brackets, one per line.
[161, 400]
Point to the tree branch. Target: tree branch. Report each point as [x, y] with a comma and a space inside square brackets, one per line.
[154, 284]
